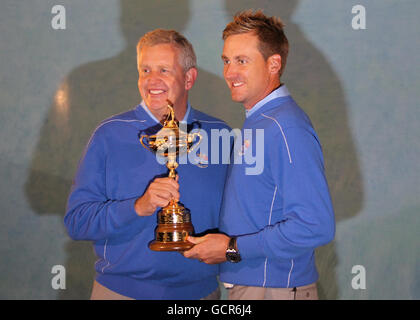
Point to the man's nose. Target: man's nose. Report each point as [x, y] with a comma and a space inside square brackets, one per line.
[229, 72]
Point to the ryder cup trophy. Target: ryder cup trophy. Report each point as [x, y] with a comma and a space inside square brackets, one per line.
[174, 220]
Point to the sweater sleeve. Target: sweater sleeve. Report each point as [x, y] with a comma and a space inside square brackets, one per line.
[91, 214]
[307, 220]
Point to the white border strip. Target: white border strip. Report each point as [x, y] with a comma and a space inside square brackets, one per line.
[269, 222]
[282, 132]
[290, 272]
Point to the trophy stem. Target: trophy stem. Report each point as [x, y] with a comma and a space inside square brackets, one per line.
[172, 165]
[172, 173]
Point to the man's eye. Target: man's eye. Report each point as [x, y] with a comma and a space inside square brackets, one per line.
[241, 61]
[226, 62]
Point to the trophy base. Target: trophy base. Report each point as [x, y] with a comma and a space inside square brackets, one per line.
[174, 227]
[170, 246]
[172, 237]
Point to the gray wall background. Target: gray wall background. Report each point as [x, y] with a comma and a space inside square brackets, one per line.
[360, 88]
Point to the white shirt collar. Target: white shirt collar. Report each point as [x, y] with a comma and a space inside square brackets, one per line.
[187, 113]
[281, 91]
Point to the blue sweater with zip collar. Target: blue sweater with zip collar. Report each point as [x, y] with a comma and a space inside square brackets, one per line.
[114, 171]
[281, 209]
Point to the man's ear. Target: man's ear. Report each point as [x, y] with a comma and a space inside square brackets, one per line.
[190, 77]
[274, 63]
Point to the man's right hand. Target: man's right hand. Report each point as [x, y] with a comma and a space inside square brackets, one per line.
[158, 194]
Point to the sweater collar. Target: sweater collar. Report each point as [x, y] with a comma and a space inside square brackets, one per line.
[280, 92]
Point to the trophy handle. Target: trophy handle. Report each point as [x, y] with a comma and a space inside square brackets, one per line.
[192, 136]
[144, 145]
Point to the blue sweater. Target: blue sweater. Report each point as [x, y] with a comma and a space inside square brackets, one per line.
[114, 171]
[283, 213]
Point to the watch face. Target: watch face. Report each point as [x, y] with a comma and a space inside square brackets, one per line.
[233, 257]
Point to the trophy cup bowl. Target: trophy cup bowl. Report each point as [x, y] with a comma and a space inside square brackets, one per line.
[174, 220]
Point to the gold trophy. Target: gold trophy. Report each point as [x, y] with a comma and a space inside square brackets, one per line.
[174, 220]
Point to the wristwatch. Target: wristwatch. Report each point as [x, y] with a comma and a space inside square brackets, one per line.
[232, 253]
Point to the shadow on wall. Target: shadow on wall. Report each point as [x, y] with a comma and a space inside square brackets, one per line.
[97, 90]
[317, 89]
[88, 95]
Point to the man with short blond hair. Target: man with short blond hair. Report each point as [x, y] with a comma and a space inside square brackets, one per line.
[187, 57]
[119, 188]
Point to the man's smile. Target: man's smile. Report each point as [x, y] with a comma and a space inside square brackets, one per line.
[155, 92]
[237, 84]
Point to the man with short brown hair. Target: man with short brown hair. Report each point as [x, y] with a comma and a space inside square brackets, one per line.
[271, 221]
[269, 31]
